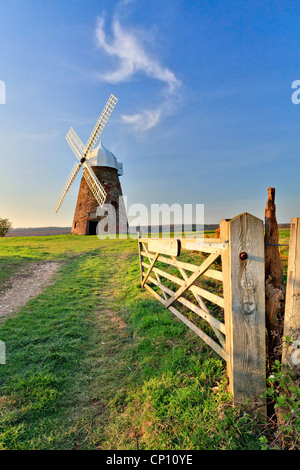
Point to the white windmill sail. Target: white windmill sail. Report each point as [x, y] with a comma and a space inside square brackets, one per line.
[97, 189]
[82, 151]
[101, 123]
[75, 143]
[67, 185]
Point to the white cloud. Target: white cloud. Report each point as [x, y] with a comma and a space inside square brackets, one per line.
[133, 58]
[37, 136]
[143, 121]
[127, 46]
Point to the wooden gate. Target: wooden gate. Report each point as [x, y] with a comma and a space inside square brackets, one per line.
[220, 281]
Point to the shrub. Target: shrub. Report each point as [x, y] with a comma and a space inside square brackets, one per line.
[5, 225]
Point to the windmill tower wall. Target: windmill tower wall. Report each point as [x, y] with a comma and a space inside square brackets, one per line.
[85, 217]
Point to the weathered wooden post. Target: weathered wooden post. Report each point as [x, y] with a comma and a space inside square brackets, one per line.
[291, 350]
[244, 297]
[275, 288]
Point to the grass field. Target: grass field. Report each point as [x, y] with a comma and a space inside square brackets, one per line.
[95, 362]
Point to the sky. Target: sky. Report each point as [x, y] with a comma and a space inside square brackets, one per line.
[205, 113]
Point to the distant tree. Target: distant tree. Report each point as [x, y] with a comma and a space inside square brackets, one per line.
[5, 225]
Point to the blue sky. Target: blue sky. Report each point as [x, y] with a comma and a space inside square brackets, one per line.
[204, 113]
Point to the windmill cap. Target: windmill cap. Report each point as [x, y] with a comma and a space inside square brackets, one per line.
[101, 156]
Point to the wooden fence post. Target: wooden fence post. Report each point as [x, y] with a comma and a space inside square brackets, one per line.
[244, 298]
[291, 351]
[274, 282]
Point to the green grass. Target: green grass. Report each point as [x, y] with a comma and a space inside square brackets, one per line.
[95, 362]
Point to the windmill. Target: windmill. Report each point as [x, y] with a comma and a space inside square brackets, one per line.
[100, 180]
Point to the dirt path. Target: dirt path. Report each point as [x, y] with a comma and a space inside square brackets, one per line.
[26, 285]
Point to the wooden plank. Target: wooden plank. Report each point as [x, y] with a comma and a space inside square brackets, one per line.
[291, 351]
[187, 284]
[216, 299]
[167, 246]
[205, 239]
[216, 347]
[209, 341]
[200, 244]
[149, 269]
[167, 275]
[201, 303]
[155, 294]
[214, 322]
[225, 257]
[212, 273]
[245, 305]
[156, 275]
[193, 240]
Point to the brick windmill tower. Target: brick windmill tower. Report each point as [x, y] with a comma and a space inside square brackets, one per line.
[99, 183]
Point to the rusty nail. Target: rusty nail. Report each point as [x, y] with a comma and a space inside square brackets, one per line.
[243, 255]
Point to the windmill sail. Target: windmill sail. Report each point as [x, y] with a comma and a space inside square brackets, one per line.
[67, 185]
[97, 189]
[75, 143]
[82, 151]
[101, 123]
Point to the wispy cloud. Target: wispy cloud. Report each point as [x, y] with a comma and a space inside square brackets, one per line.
[144, 120]
[133, 58]
[37, 136]
[128, 47]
